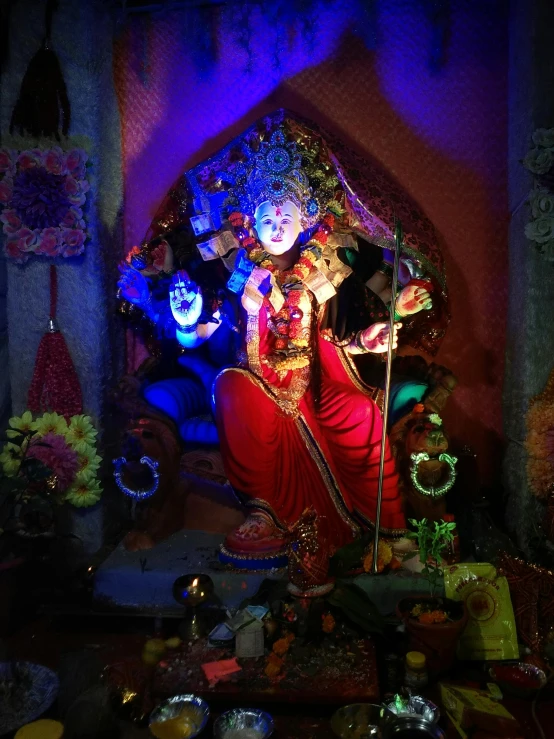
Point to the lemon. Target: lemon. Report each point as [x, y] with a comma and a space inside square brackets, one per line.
[153, 651]
[43, 729]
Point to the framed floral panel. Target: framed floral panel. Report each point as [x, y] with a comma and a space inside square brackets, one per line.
[43, 197]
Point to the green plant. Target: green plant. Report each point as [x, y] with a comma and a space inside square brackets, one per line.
[433, 538]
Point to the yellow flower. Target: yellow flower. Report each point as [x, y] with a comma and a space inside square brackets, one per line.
[20, 425]
[89, 461]
[384, 557]
[50, 423]
[81, 433]
[10, 459]
[85, 491]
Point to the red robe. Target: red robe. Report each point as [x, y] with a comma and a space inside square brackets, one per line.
[326, 458]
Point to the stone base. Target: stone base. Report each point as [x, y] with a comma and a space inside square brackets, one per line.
[143, 580]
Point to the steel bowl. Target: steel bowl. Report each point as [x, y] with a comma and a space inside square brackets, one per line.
[413, 727]
[244, 723]
[361, 721]
[417, 706]
[175, 706]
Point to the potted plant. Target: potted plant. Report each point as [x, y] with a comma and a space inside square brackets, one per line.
[434, 623]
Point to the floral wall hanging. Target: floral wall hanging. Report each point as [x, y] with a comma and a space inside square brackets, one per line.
[42, 199]
[540, 161]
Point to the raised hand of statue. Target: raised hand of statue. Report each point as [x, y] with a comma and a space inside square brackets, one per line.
[375, 339]
[133, 285]
[413, 298]
[185, 298]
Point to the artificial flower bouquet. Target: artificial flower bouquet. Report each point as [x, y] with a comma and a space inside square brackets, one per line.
[540, 161]
[48, 460]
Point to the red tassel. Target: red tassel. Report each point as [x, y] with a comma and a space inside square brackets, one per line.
[55, 386]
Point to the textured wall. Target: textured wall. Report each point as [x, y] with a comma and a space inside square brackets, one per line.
[82, 39]
[530, 330]
[442, 133]
[82, 36]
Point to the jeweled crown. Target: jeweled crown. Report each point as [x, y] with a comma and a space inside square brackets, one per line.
[274, 173]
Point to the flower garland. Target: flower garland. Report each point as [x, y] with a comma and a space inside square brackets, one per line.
[539, 442]
[291, 323]
[42, 194]
[68, 451]
[540, 161]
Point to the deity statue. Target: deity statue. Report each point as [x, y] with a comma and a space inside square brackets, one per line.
[298, 429]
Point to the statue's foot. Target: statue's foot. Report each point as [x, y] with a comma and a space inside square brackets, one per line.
[257, 535]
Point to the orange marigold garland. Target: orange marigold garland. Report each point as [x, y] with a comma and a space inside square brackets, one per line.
[291, 324]
[540, 442]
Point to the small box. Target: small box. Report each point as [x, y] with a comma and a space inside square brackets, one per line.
[472, 709]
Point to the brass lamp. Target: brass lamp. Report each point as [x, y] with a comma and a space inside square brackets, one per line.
[192, 591]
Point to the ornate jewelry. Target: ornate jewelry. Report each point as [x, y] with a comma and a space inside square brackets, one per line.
[359, 342]
[433, 492]
[143, 494]
[273, 173]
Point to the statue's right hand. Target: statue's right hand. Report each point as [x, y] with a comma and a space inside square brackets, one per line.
[185, 299]
[133, 285]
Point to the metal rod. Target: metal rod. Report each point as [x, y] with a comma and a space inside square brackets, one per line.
[398, 239]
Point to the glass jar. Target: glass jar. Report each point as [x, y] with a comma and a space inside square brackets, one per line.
[415, 675]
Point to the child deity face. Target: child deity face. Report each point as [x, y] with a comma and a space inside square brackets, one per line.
[277, 226]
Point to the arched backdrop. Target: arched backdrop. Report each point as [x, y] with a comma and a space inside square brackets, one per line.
[432, 111]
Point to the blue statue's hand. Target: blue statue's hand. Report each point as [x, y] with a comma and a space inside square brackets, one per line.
[185, 299]
[133, 285]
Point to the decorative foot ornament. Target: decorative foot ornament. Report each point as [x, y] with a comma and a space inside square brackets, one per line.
[257, 544]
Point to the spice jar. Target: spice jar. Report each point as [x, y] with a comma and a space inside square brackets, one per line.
[415, 676]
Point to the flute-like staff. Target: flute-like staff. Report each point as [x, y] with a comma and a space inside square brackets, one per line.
[398, 239]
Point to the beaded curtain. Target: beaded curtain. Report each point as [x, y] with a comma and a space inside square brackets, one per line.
[439, 129]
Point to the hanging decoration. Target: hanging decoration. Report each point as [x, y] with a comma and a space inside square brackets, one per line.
[42, 196]
[42, 104]
[540, 161]
[55, 385]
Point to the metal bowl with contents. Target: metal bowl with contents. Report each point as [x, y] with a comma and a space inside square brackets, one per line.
[416, 705]
[413, 727]
[182, 716]
[244, 723]
[362, 721]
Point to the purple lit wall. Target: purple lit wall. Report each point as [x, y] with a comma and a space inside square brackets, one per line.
[439, 129]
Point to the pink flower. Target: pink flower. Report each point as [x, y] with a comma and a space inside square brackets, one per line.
[73, 240]
[5, 190]
[54, 160]
[5, 160]
[29, 158]
[11, 221]
[49, 243]
[71, 186]
[13, 252]
[73, 218]
[27, 240]
[54, 452]
[75, 162]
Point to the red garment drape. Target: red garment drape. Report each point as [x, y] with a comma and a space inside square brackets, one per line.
[327, 458]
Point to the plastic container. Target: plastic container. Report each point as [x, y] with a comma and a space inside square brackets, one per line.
[415, 676]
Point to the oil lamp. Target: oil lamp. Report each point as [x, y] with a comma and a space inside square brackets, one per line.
[192, 591]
